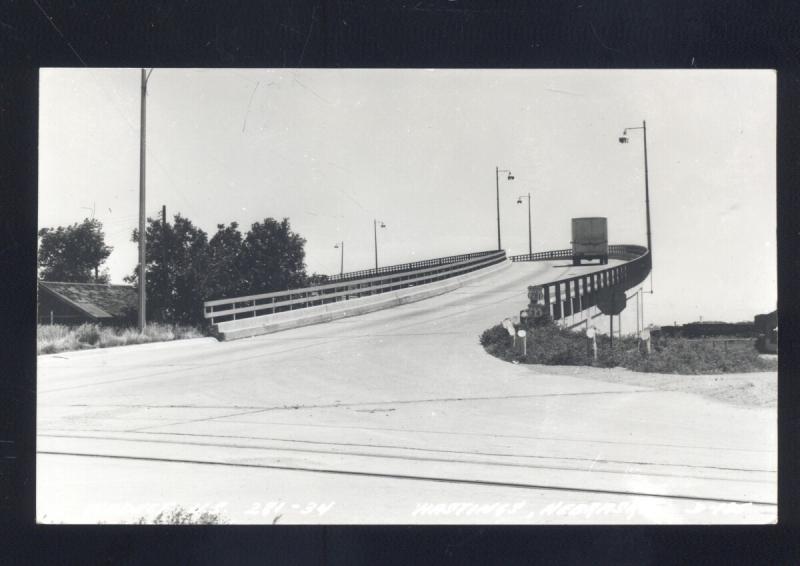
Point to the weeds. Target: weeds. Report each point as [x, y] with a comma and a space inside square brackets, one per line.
[549, 344]
[61, 338]
[180, 516]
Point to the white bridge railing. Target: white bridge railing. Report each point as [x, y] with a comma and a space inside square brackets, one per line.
[392, 278]
[571, 295]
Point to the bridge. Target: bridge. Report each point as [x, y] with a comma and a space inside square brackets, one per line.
[360, 292]
[393, 415]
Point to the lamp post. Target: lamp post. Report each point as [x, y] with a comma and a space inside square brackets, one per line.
[510, 177]
[624, 139]
[375, 230]
[530, 236]
[340, 246]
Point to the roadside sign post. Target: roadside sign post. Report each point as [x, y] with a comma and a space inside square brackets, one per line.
[522, 334]
[611, 301]
[611, 329]
[537, 306]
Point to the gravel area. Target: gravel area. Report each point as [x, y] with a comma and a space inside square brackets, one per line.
[757, 389]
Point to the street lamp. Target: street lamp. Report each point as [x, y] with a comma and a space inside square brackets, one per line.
[340, 245]
[624, 139]
[510, 177]
[530, 237]
[375, 229]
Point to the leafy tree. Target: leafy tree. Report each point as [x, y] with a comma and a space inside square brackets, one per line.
[74, 253]
[176, 270]
[316, 279]
[225, 274]
[184, 267]
[272, 257]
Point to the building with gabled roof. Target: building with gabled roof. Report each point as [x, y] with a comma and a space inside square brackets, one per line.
[76, 303]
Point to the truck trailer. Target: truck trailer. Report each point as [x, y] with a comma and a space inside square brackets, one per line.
[589, 239]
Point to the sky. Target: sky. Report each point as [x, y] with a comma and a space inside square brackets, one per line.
[335, 149]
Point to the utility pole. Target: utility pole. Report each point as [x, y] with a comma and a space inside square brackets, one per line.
[340, 245]
[646, 187]
[375, 233]
[510, 177]
[142, 212]
[624, 139]
[375, 230]
[530, 230]
[497, 187]
[164, 274]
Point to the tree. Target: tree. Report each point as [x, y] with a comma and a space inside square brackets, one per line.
[176, 270]
[74, 253]
[316, 279]
[272, 258]
[184, 268]
[224, 276]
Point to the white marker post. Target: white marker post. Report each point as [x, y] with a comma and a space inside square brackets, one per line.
[522, 334]
[645, 336]
[592, 341]
[508, 324]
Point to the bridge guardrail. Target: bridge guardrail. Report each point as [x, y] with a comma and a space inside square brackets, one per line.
[574, 294]
[351, 275]
[353, 285]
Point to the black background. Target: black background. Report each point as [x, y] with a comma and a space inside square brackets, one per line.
[353, 33]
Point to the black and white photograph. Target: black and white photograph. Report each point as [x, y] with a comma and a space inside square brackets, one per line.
[437, 296]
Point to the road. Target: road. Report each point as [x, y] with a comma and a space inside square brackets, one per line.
[397, 416]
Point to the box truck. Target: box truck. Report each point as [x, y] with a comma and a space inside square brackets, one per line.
[589, 239]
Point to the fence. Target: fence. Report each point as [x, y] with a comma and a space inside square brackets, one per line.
[350, 285]
[403, 267]
[575, 294]
[615, 252]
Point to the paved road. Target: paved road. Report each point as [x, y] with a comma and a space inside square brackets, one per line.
[397, 416]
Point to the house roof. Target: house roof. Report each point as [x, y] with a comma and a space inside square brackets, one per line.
[97, 300]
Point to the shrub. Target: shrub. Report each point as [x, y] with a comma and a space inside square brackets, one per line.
[549, 344]
[180, 516]
[681, 355]
[87, 334]
[60, 338]
[497, 342]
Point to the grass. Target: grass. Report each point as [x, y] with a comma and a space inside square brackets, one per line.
[180, 516]
[61, 338]
[549, 344]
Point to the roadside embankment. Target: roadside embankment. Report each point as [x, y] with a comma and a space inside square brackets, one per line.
[733, 373]
[753, 389]
[54, 338]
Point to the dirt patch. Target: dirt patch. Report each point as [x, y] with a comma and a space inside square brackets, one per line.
[756, 389]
